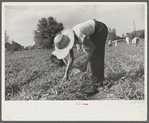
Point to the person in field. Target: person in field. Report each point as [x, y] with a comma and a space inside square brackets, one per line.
[127, 38]
[110, 43]
[91, 34]
[135, 41]
[115, 42]
[80, 48]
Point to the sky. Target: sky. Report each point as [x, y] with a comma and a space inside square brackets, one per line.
[20, 19]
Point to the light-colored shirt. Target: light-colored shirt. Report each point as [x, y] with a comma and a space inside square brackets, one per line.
[84, 29]
[135, 40]
[127, 38]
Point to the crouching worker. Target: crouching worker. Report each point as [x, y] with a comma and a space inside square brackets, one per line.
[92, 34]
[57, 61]
[135, 41]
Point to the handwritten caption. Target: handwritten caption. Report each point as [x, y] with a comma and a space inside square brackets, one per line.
[79, 103]
[137, 102]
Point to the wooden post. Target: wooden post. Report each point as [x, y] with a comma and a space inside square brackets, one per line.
[134, 28]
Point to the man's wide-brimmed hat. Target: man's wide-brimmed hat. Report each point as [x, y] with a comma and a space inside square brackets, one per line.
[63, 43]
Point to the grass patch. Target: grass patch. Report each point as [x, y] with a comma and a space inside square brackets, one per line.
[32, 76]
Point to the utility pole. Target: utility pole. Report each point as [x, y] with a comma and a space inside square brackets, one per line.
[134, 27]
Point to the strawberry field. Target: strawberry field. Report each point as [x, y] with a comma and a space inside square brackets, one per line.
[30, 75]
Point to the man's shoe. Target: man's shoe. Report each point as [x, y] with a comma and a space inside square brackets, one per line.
[92, 90]
[98, 85]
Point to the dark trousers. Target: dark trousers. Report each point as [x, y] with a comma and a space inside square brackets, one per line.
[97, 60]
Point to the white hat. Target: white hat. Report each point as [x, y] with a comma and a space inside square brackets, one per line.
[63, 43]
[53, 53]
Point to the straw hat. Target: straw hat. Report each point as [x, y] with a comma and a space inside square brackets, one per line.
[63, 43]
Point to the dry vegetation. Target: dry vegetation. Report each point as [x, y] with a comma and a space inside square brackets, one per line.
[31, 76]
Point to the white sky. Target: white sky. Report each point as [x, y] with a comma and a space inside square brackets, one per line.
[21, 19]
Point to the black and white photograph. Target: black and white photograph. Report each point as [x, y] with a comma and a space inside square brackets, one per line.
[86, 59]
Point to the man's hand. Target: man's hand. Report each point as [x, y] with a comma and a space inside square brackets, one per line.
[69, 64]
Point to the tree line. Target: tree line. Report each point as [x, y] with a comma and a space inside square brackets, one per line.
[11, 46]
[47, 28]
[113, 36]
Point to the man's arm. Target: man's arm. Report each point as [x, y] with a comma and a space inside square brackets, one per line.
[64, 61]
[69, 64]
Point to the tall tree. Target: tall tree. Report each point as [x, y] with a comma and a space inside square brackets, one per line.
[47, 28]
[111, 34]
[6, 37]
[7, 46]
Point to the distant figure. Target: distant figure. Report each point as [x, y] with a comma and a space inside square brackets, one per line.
[127, 38]
[135, 41]
[110, 43]
[115, 42]
[80, 47]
